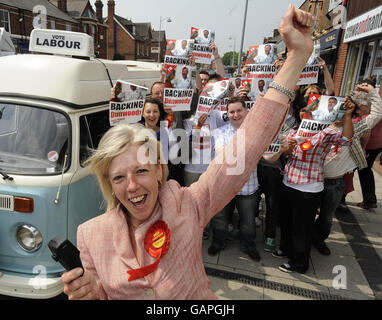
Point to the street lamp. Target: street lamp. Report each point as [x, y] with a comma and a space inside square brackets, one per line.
[242, 36]
[168, 19]
[234, 48]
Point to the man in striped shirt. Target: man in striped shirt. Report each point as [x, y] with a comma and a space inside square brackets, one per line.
[246, 201]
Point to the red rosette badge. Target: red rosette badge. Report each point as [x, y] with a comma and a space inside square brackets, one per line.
[305, 146]
[157, 242]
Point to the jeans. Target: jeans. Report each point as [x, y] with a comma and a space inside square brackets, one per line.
[330, 200]
[296, 222]
[366, 178]
[270, 181]
[246, 207]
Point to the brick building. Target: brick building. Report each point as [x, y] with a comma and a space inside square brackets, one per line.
[89, 21]
[18, 18]
[158, 45]
[128, 40]
[360, 52]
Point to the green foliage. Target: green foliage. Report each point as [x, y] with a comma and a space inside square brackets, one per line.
[119, 56]
[227, 58]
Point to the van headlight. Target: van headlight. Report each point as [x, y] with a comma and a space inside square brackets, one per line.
[28, 237]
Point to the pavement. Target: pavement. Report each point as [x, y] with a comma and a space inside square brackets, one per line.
[352, 271]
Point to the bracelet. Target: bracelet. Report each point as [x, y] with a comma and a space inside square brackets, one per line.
[291, 95]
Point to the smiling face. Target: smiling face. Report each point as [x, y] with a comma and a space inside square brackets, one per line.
[151, 115]
[135, 184]
[236, 113]
[157, 91]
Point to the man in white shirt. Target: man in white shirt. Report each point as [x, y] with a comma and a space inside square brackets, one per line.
[246, 201]
[331, 114]
[204, 38]
[268, 58]
[182, 51]
[183, 82]
[132, 93]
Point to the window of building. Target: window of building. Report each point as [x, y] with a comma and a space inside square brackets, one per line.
[89, 13]
[366, 62]
[377, 64]
[5, 20]
[68, 27]
[52, 24]
[93, 30]
[351, 68]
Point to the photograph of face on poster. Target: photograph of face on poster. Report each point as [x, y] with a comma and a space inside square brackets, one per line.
[182, 78]
[259, 88]
[330, 109]
[240, 82]
[180, 48]
[266, 54]
[218, 90]
[202, 36]
[125, 91]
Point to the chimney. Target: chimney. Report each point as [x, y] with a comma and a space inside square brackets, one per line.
[111, 45]
[61, 4]
[99, 6]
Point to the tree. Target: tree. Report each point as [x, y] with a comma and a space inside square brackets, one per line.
[227, 58]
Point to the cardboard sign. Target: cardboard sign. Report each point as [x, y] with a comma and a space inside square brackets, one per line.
[202, 52]
[127, 106]
[321, 112]
[178, 99]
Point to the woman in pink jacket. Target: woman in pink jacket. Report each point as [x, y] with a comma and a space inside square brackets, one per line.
[148, 244]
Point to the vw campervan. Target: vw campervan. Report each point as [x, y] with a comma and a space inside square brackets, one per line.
[53, 110]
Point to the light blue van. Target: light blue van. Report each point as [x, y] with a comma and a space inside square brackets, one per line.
[53, 110]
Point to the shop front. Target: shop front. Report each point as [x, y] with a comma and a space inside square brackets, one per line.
[364, 59]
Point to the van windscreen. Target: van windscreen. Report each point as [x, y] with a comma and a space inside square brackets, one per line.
[32, 140]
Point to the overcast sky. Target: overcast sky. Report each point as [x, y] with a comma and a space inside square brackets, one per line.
[223, 16]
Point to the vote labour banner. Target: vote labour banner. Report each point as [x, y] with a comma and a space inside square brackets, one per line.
[127, 104]
[320, 113]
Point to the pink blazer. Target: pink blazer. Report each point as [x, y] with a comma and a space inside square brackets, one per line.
[104, 241]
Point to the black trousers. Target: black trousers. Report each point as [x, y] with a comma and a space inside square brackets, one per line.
[270, 181]
[296, 224]
[366, 178]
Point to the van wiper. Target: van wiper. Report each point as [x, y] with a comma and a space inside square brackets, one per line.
[5, 176]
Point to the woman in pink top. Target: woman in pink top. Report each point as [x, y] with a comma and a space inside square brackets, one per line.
[148, 244]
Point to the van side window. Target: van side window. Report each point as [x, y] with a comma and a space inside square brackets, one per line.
[92, 128]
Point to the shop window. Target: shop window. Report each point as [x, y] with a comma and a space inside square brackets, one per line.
[352, 63]
[377, 65]
[366, 62]
[4, 20]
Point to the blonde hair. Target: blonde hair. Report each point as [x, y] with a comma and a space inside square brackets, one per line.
[116, 141]
[312, 86]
